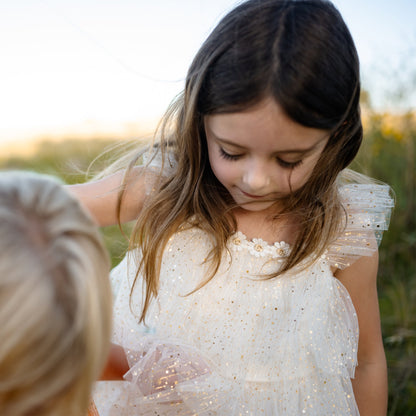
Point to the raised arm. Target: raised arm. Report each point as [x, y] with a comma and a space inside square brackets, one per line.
[370, 382]
[100, 197]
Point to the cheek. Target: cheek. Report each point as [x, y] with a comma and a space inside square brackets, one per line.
[299, 179]
[222, 170]
[300, 176]
[218, 165]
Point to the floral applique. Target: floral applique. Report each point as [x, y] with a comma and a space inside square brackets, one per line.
[258, 247]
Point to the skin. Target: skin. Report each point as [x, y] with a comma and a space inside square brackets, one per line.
[116, 365]
[370, 382]
[259, 155]
[100, 197]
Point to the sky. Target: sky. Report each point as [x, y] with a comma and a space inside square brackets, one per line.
[111, 67]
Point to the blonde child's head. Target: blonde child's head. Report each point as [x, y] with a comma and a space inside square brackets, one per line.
[55, 299]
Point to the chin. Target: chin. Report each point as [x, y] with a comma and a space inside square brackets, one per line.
[256, 206]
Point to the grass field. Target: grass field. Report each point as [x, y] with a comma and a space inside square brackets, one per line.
[388, 154]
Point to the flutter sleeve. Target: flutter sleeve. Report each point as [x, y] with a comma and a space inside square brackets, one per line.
[159, 165]
[367, 214]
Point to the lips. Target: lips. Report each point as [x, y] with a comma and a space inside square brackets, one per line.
[253, 196]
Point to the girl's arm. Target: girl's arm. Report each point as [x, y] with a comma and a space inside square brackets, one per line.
[370, 382]
[116, 365]
[100, 197]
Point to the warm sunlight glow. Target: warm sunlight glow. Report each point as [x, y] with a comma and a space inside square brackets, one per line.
[88, 68]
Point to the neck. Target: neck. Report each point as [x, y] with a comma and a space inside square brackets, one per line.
[266, 225]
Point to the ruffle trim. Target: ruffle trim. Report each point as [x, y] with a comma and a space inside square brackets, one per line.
[367, 208]
[158, 165]
[169, 378]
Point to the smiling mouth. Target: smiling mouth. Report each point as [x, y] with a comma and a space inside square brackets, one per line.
[253, 196]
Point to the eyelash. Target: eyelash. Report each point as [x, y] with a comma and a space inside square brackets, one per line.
[289, 165]
[282, 163]
[227, 156]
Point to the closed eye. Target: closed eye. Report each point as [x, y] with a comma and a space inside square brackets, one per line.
[288, 165]
[228, 156]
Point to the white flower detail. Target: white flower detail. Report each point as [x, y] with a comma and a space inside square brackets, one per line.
[282, 249]
[239, 241]
[258, 247]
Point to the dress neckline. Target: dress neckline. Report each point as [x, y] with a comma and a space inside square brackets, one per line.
[259, 247]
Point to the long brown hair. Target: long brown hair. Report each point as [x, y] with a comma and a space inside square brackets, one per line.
[300, 53]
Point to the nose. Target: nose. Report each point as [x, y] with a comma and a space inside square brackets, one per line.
[256, 177]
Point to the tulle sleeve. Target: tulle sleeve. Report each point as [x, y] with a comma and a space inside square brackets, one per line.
[367, 214]
[159, 164]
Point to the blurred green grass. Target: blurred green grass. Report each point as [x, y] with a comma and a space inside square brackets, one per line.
[388, 154]
[70, 160]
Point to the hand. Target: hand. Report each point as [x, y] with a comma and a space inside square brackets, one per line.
[116, 365]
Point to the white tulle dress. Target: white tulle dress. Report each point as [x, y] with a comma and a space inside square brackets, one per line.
[242, 345]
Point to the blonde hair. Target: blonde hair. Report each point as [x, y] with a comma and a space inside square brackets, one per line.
[55, 299]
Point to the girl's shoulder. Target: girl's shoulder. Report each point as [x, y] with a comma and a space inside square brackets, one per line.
[160, 158]
[159, 163]
[367, 207]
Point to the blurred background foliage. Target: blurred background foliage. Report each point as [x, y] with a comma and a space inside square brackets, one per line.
[75, 161]
[388, 154]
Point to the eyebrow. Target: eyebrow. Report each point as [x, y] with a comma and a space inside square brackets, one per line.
[285, 152]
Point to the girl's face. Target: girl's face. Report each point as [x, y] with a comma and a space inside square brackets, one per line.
[260, 154]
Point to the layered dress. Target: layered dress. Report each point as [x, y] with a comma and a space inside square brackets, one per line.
[242, 344]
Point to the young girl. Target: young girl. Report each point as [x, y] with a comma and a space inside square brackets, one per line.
[55, 299]
[256, 250]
